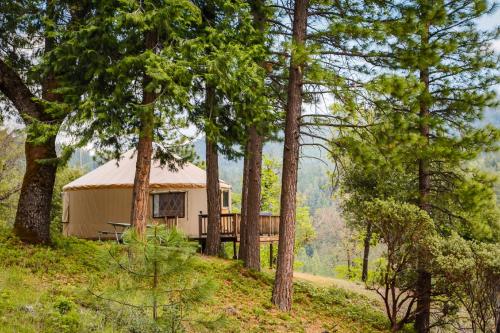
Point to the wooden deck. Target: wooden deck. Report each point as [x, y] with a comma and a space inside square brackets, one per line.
[230, 227]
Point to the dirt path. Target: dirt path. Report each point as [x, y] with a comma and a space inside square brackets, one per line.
[323, 281]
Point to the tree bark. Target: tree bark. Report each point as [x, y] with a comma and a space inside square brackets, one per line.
[283, 285]
[140, 193]
[366, 251]
[213, 199]
[32, 224]
[253, 208]
[424, 280]
[244, 195]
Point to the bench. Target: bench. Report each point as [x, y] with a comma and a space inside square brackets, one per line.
[117, 235]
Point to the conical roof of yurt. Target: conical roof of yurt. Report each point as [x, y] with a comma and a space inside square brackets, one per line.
[120, 174]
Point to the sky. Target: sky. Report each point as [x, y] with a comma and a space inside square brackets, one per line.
[489, 23]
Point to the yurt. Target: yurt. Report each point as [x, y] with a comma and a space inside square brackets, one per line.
[101, 198]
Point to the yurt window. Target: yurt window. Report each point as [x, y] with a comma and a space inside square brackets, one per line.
[225, 199]
[169, 204]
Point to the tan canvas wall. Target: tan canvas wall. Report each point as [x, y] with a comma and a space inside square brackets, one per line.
[65, 212]
[88, 210]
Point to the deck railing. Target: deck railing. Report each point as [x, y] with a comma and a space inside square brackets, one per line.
[230, 225]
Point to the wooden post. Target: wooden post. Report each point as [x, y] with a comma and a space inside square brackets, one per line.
[202, 246]
[234, 225]
[234, 250]
[200, 221]
[271, 255]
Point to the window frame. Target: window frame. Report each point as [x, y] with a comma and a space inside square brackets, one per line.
[158, 194]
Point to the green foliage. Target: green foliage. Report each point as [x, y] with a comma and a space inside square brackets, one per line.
[270, 185]
[305, 232]
[229, 87]
[468, 272]
[158, 276]
[11, 169]
[339, 300]
[236, 202]
[352, 272]
[406, 41]
[105, 62]
[63, 318]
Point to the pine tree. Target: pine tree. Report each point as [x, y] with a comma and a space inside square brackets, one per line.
[156, 274]
[11, 167]
[283, 285]
[260, 128]
[316, 67]
[129, 80]
[30, 86]
[438, 71]
[230, 81]
[244, 197]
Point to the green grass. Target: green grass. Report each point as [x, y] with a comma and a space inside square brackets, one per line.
[46, 289]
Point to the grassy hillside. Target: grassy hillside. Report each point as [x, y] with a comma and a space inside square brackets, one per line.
[46, 289]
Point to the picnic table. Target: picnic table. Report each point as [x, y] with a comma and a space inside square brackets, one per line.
[118, 230]
[120, 227]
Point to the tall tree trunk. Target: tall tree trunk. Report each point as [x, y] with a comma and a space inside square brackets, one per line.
[213, 190]
[253, 206]
[32, 224]
[283, 284]
[366, 251]
[424, 280]
[244, 204]
[140, 193]
[254, 156]
[213, 199]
